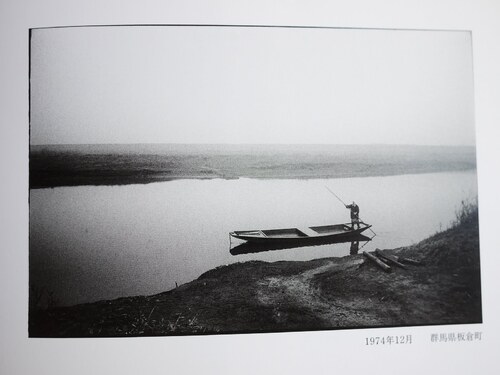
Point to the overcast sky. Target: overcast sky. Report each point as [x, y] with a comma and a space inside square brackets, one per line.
[251, 85]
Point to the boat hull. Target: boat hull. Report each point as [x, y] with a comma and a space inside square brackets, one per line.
[252, 247]
[297, 235]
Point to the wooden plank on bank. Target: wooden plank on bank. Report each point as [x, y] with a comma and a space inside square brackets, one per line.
[390, 259]
[377, 261]
[410, 261]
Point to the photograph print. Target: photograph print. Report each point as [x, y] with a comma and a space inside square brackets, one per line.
[197, 180]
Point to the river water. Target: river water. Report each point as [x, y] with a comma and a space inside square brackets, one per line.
[89, 243]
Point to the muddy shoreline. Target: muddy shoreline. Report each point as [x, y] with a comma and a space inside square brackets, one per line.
[322, 294]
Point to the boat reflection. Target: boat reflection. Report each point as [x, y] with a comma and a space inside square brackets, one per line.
[249, 248]
[354, 247]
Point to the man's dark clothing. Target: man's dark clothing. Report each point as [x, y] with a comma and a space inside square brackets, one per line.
[354, 214]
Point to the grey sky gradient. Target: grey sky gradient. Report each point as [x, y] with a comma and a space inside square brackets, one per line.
[251, 85]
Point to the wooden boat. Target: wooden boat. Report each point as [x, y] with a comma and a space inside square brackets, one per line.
[299, 235]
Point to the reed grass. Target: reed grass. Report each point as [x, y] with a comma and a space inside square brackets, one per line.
[467, 213]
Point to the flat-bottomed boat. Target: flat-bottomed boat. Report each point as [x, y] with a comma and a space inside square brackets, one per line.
[300, 235]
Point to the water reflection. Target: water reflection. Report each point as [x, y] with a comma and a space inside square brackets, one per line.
[354, 247]
[250, 248]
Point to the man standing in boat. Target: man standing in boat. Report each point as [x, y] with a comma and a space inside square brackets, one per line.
[354, 214]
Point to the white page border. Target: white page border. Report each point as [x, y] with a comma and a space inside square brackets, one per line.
[326, 351]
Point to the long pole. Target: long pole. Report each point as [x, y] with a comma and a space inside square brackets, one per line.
[336, 196]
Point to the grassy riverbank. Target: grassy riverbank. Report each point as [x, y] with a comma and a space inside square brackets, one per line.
[330, 293]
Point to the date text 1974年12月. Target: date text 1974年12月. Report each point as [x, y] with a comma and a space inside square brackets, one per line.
[388, 340]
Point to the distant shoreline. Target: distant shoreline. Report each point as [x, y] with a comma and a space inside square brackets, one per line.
[75, 165]
[70, 181]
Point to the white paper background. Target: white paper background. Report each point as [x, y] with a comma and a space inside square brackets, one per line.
[318, 352]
